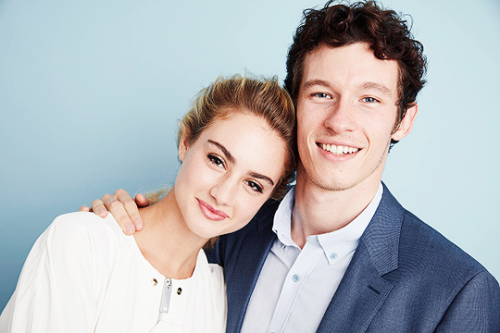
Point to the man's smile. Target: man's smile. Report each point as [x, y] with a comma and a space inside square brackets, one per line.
[338, 150]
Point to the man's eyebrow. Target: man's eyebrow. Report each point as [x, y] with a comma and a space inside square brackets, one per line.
[376, 86]
[232, 160]
[366, 85]
[224, 151]
[317, 82]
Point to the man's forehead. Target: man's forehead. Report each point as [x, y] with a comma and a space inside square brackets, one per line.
[353, 64]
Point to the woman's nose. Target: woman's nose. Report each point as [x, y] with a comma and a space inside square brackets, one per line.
[224, 190]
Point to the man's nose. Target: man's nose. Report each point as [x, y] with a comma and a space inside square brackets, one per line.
[340, 118]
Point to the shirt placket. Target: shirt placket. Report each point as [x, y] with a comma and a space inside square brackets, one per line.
[294, 281]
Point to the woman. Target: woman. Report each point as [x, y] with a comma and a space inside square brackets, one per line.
[236, 147]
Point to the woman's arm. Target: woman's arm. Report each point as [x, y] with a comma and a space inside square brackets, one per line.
[60, 284]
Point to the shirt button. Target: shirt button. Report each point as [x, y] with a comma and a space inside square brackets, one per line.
[179, 291]
[295, 278]
[154, 282]
[333, 255]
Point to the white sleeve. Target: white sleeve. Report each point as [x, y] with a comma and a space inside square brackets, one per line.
[61, 284]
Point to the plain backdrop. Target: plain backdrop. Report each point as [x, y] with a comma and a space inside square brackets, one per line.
[91, 91]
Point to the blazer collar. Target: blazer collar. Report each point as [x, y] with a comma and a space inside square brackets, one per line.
[363, 288]
[255, 248]
[381, 237]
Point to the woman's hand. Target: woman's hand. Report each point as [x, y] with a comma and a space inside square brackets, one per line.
[124, 209]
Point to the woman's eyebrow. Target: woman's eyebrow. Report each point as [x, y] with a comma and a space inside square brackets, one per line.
[224, 151]
[232, 160]
[260, 176]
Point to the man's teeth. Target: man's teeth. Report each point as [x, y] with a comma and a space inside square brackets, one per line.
[339, 150]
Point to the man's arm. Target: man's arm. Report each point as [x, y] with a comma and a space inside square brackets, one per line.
[124, 209]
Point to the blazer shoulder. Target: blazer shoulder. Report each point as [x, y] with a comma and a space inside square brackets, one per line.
[424, 249]
[422, 252]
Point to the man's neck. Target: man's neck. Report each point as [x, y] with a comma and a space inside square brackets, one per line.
[318, 211]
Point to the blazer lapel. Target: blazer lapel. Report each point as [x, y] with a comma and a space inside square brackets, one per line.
[245, 270]
[363, 289]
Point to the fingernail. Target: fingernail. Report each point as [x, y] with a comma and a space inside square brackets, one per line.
[129, 229]
[138, 224]
[101, 211]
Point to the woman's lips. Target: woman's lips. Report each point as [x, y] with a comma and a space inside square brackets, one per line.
[210, 212]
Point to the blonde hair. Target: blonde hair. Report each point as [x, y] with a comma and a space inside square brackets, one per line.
[262, 97]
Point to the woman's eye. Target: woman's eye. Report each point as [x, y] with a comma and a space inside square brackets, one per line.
[254, 186]
[216, 161]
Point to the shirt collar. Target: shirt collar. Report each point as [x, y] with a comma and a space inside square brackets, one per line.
[336, 244]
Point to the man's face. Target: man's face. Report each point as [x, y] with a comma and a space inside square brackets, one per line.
[346, 114]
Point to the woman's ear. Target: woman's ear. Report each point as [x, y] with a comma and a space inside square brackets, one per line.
[183, 147]
[406, 124]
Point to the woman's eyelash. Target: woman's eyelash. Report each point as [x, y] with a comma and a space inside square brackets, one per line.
[219, 162]
[254, 186]
[216, 160]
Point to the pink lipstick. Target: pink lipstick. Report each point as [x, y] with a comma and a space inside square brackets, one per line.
[210, 212]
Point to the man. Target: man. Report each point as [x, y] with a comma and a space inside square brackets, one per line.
[339, 253]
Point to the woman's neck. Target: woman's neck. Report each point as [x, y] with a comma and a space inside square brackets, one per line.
[166, 242]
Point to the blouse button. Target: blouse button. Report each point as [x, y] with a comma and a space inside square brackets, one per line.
[179, 291]
[154, 282]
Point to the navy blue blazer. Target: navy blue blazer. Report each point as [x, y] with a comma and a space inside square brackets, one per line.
[403, 277]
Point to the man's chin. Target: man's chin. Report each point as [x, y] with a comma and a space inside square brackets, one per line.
[332, 185]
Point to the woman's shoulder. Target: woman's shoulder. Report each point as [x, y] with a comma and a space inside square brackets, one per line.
[78, 221]
[83, 228]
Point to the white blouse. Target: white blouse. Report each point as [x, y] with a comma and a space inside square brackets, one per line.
[84, 275]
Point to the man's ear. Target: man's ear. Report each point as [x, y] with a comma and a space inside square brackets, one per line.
[406, 124]
[183, 147]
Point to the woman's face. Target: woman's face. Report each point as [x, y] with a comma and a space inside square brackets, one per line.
[228, 173]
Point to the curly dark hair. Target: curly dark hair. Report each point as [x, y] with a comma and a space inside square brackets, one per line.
[384, 30]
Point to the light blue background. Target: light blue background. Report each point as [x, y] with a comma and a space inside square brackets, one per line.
[90, 92]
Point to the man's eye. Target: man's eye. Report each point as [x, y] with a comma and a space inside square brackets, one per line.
[321, 95]
[216, 161]
[369, 100]
[254, 186]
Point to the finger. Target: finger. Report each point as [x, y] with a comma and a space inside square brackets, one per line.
[141, 200]
[131, 208]
[99, 209]
[117, 209]
[84, 208]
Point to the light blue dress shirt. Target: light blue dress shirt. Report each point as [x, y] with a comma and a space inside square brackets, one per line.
[296, 285]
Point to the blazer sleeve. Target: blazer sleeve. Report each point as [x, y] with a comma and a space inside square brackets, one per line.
[476, 308]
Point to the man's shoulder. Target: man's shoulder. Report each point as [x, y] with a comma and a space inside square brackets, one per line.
[436, 252]
[422, 250]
